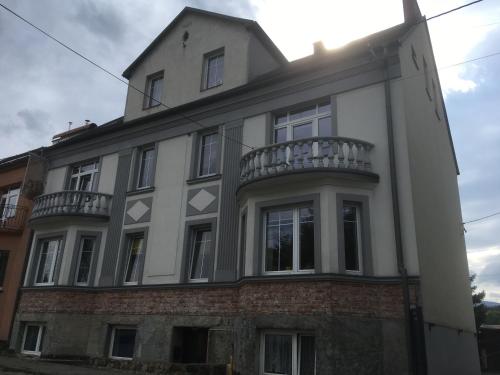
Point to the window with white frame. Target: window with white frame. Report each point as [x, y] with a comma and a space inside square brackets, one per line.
[213, 69]
[47, 260]
[145, 175]
[85, 256]
[122, 342]
[290, 353]
[289, 240]
[33, 339]
[83, 176]
[352, 237]
[135, 251]
[154, 90]
[8, 203]
[208, 158]
[310, 121]
[199, 266]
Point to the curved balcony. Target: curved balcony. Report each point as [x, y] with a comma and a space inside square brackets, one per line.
[72, 203]
[346, 157]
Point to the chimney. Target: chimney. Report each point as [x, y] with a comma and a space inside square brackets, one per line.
[411, 11]
[319, 47]
[73, 132]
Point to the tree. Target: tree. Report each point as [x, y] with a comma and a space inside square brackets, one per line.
[480, 308]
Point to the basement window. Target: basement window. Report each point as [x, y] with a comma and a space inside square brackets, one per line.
[33, 339]
[287, 353]
[122, 343]
[190, 345]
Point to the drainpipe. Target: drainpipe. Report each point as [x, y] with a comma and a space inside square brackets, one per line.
[397, 220]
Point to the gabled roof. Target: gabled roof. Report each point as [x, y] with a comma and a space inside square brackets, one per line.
[253, 26]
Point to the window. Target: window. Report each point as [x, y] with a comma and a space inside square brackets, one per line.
[122, 343]
[213, 69]
[352, 237]
[414, 57]
[306, 122]
[146, 171]
[33, 339]
[154, 89]
[4, 257]
[289, 240]
[288, 353]
[434, 93]
[134, 258]
[47, 259]
[208, 159]
[189, 345]
[86, 253]
[199, 266]
[8, 204]
[83, 176]
[427, 78]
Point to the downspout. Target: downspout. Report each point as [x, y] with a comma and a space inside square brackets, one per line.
[397, 220]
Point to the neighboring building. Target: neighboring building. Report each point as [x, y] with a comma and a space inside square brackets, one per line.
[21, 178]
[282, 217]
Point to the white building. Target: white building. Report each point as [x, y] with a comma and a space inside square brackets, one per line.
[285, 217]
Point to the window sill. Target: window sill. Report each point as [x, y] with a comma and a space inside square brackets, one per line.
[199, 180]
[151, 106]
[211, 87]
[141, 191]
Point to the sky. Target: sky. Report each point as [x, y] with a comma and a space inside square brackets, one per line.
[44, 86]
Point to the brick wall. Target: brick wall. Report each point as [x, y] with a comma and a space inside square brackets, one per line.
[276, 297]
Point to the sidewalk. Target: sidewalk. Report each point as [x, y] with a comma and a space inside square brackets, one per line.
[26, 366]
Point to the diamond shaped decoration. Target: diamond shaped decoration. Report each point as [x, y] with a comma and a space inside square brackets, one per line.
[137, 210]
[202, 200]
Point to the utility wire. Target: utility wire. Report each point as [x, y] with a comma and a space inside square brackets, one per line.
[453, 10]
[110, 73]
[189, 118]
[482, 218]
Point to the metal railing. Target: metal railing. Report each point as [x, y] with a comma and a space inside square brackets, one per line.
[12, 217]
[70, 202]
[327, 153]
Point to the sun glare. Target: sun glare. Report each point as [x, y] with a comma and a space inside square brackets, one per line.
[295, 26]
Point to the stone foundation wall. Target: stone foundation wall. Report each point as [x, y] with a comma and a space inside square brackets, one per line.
[359, 328]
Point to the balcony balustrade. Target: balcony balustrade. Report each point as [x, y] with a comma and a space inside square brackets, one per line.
[12, 217]
[72, 203]
[309, 154]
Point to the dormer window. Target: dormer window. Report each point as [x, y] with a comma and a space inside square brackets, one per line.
[154, 90]
[213, 69]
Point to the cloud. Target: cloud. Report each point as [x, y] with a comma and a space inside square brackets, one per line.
[35, 121]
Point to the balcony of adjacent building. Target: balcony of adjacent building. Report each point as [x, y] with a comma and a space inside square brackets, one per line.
[307, 159]
[71, 204]
[12, 218]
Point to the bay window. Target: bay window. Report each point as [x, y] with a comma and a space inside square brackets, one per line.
[47, 260]
[352, 237]
[85, 257]
[289, 240]
[135, 249]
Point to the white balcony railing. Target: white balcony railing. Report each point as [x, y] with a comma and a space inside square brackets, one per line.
[72, 203]
[324, 153]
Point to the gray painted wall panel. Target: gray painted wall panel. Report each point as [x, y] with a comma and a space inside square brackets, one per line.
[115, 225]
[227, 255]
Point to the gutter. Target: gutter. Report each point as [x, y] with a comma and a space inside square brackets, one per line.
[397, 222]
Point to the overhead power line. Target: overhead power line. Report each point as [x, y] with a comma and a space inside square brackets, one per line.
[168, 107]
[453, 10]
[110, 73]
[482, 218]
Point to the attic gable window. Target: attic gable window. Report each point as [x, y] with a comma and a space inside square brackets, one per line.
[213, 69]
[154, 90]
